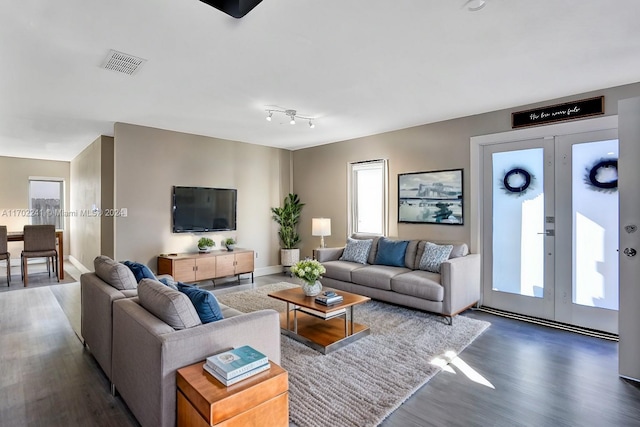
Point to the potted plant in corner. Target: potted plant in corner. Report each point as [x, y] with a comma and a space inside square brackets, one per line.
[230, 243]
[205, 244]
[287, 218]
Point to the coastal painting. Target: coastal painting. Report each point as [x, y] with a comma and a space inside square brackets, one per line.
[430, 197]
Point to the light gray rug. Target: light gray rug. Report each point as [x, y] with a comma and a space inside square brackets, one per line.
[362, 383]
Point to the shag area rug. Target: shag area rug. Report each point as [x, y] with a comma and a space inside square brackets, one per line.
[365, 381]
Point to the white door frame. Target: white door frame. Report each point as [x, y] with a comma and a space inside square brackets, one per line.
[475, 167]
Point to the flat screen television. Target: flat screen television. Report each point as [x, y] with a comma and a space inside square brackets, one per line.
[198, 209]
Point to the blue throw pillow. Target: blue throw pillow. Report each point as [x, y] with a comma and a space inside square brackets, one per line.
[391, 252]
[205, 303]
[169, 282]
[140, 271]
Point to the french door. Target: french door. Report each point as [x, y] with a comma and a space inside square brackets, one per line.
[551, 228]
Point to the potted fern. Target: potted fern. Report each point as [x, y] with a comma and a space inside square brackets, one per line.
[287, 218]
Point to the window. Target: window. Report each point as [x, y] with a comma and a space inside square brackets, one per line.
[46, 201]
[368, 197]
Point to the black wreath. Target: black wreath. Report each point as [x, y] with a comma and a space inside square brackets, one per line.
[593, 174]
[517, 171]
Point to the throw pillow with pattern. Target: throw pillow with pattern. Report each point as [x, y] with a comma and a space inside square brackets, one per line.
[356, 250]
[433, 256]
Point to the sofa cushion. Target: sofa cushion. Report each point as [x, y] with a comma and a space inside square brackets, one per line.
[376, 276]
[391, 252]
[459, 250]
[410, 254]
[204, 302]
[374, 246]
[228, 312]
[356, 250]
[420, 284]
[433, 256]
[140, 271]
[114, 273]
[172, 307]
[340, 270]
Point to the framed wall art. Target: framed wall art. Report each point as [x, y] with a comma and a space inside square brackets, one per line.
[430, 197]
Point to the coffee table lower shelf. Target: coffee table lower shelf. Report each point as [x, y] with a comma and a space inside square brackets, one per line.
[322, 335]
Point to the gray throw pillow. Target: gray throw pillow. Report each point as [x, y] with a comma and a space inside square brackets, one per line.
[433, 256]
[356, 250]
[172, 307]
[114, 273]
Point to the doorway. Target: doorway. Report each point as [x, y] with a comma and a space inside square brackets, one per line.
[550, 228]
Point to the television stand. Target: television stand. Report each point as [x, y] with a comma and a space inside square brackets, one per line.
[196, 267]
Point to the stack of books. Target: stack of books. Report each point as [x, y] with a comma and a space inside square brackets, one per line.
[236, 365]
[329, 298]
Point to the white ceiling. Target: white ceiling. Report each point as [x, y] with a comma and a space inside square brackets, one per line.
[360, 66]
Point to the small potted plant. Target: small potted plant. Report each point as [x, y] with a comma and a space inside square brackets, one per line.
[230, 243]
[205, 244]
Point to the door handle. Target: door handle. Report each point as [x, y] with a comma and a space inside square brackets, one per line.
[549, 233]
[629, 252]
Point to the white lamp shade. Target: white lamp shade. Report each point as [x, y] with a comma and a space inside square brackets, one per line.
[321, 227]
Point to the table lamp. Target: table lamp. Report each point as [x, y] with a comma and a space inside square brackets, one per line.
[321, 227]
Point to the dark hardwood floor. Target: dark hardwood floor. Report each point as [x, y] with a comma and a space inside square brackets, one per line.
[514, 374]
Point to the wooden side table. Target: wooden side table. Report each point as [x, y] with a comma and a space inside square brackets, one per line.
[262, 400]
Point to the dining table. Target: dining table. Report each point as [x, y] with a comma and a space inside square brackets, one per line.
[18, 236]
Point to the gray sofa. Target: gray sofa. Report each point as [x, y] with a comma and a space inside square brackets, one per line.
[140, 352]
[454, 289]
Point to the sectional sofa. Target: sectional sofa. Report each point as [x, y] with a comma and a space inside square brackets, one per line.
[442, 278]
[141, 333]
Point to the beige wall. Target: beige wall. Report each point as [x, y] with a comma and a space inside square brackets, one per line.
[149, 162]
[14, 175]
[320, 173]
[92, 178]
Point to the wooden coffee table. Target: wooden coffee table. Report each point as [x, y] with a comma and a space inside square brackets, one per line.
[323, 328]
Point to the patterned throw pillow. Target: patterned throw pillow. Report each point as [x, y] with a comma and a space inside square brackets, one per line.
[356, 250]
[433, 256]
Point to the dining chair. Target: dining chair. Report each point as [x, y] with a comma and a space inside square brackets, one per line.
[39, 242]
[4, 253]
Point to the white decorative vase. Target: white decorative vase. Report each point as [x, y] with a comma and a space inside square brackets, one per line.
[312, 289]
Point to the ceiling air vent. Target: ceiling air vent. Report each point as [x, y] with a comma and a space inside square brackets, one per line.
[122, 62]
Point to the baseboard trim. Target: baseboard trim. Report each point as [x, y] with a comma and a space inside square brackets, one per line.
[266, 271]
[550, 323]
[77, 264]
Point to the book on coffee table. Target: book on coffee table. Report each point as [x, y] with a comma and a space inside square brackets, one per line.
[230, 364]
[237, 378]
[330, 315]
[324, 300]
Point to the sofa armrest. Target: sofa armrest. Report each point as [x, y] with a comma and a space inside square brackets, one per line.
[328, 254]
[147, 352]
[460, 278]
[165, 276]
[96, 299]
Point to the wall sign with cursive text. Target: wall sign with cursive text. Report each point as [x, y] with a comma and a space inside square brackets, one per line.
[559, 112]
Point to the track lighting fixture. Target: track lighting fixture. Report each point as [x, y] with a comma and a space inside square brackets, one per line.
[292, 114]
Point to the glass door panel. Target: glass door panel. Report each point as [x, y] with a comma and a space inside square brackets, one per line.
[595, 227]
[587, 230]
[518, 218]
[516, 252]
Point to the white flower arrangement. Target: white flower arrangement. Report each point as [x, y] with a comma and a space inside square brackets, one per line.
[308, 270]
